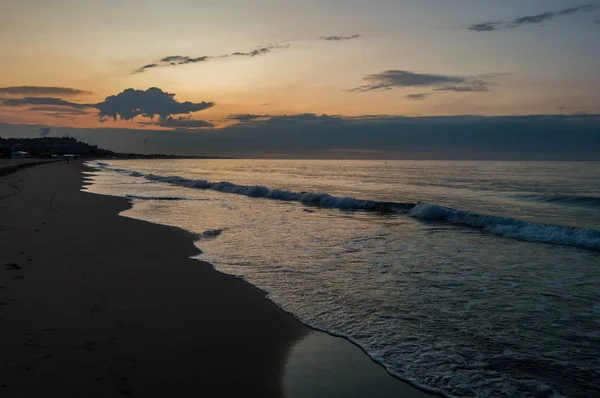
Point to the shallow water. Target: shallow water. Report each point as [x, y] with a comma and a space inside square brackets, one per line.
[456, 293]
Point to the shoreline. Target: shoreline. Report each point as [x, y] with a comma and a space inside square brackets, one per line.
[133, 318]
[417, 390]
[8, 166]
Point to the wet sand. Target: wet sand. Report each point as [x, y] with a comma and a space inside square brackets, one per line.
[93, 304]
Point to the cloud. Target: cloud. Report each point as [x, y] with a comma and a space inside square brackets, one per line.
[182, 60]
[417, 97]
[127, 105]
[153, 102]
[59, 112]
[44, 131]
[33, 91]
[338, 38]
[172, 60]
[597, 21]
[176, 60]
[256, 52]
[486, 26]
[145, 67]
[61, 116]
[246, 117]
[390, 79]
[58, 109]
[534, 137]
[43, 101]
[183, 123]
[531, 19]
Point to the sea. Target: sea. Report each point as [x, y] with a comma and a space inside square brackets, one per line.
[468, 278]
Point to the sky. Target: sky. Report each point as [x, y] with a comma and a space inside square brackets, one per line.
[210, 67]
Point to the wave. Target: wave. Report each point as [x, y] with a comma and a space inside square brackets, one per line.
[501, 226]
[316, 199]
[511, 227]
[567, 200]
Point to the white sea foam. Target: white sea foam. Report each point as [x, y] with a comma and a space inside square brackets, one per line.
[258, 191]
[510, 227]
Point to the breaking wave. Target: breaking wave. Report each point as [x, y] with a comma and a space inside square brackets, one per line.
[511, 227]
[501, 226]
[567, 200]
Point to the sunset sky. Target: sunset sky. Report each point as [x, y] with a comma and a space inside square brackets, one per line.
[245, 59]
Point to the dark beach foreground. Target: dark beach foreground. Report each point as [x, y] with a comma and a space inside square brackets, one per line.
[93, 304]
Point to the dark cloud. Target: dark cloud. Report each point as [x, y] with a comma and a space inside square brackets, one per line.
[127, 105]
[32, 91]
[531, 19]
[42, 101]
[145, 67]
[183, 123]
[390, 79]
[417, 97]
[246, 117]
[338, 38]
[547, 16]
[486, 26]
[153, 102]
[182, 60]
[535, 137]
[44, 131]
[176, 60]
[254, 53]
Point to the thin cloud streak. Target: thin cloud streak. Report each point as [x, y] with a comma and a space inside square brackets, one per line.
[33, 91]
[391, 79]
[531, 19]
[417, 97]
[180, 123]
[247, 117]
[339, 38]
[42, 101]
[58, 109]
[486, 26]
[177, 60]
[183, 123]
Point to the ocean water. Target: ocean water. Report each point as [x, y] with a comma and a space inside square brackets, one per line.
[470, 278]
